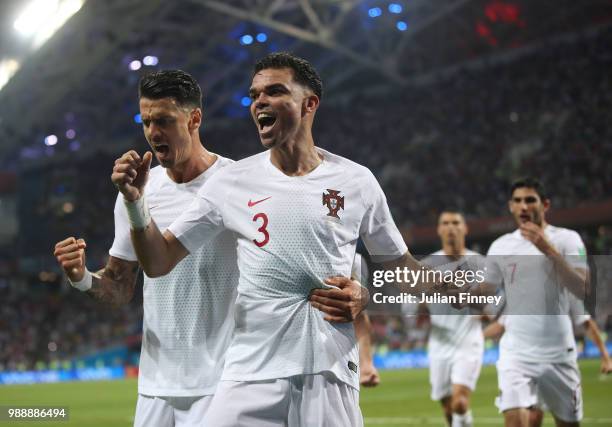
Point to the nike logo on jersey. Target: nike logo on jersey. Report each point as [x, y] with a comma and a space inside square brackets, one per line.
[251, 204]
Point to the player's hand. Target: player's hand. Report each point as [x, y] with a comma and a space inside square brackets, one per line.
[70, 254]
[342, 304]
[130, 174]
[368, 375]
[535, 234]
[606, 366]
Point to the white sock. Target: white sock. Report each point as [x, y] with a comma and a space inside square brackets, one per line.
[462, 420]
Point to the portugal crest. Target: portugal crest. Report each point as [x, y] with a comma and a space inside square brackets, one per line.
[334, 202]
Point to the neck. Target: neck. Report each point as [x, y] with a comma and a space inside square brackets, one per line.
[199, 161]
[455, 250]
[296, 158]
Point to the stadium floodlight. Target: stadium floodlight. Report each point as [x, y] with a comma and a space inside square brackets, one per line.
[50, 140]
[245, 101]
[401, 25]
[8, 67]
[40, 19]
[374, 12]
[150, 60]
[137, 118]
[70, 133]
[262, 37]
[395, 8]
[246, 39]
[135, 65]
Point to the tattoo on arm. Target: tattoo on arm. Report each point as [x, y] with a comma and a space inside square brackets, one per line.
[115, 283]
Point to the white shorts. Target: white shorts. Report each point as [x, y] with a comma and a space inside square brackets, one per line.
[318, 400]
[444, 372]
[527, 384]
[171, 411]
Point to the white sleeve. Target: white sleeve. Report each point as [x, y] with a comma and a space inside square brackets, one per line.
[122, 245]
[378, 231]
[203, 220]
[574, 250]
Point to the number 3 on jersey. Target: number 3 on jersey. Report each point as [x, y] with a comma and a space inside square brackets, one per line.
[262, 229]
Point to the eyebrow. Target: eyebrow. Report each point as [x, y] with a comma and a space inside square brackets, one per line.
[526, 198]
[252, 90]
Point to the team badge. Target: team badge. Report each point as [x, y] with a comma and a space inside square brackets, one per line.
[334, 202]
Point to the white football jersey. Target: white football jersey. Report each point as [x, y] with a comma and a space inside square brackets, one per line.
[577, 312]
[293, 232]
[189, 313]
[454, 333]
[530, 286]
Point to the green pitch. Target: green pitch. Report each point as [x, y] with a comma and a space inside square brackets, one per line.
[401, 400]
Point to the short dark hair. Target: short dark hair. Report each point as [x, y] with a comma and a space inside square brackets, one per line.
[529, 182]
[303, 71]
[451, 210]
[175, 84]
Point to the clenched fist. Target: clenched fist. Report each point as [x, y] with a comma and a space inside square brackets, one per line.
[130, 174]
[70, 254]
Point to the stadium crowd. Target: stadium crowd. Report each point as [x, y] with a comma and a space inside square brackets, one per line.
[457, 142]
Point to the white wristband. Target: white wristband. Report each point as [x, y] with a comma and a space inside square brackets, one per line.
[85, 283]
[138, 213]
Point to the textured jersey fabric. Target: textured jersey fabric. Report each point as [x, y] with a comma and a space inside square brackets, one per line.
[188, 313]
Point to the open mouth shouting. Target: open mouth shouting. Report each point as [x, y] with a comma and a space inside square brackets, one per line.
[266, 122]
[162, 150]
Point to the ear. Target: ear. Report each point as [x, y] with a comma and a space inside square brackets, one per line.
[510, 206]
[195, 119]
[546, 204]
[310, 105]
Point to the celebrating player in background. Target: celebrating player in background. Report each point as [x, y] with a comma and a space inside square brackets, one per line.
[538, 265]
[297, 211]
[188, 313]
[496, 329]
[456, 345]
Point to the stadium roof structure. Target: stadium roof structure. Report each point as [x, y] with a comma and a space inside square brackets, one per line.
[81, 79]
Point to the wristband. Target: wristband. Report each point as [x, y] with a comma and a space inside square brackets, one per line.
[85, 283]
[138, 213]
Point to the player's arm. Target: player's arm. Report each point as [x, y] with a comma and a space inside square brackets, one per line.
[368, 374]
[574, 279]
[157, 253]
[494, 330]
[594, 334]
[113, 285]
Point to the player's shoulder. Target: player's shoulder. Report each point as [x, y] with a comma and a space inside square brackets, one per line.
[504, 240]
[562, 233]
[232, 169]
[247, 163]
[348, 166]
